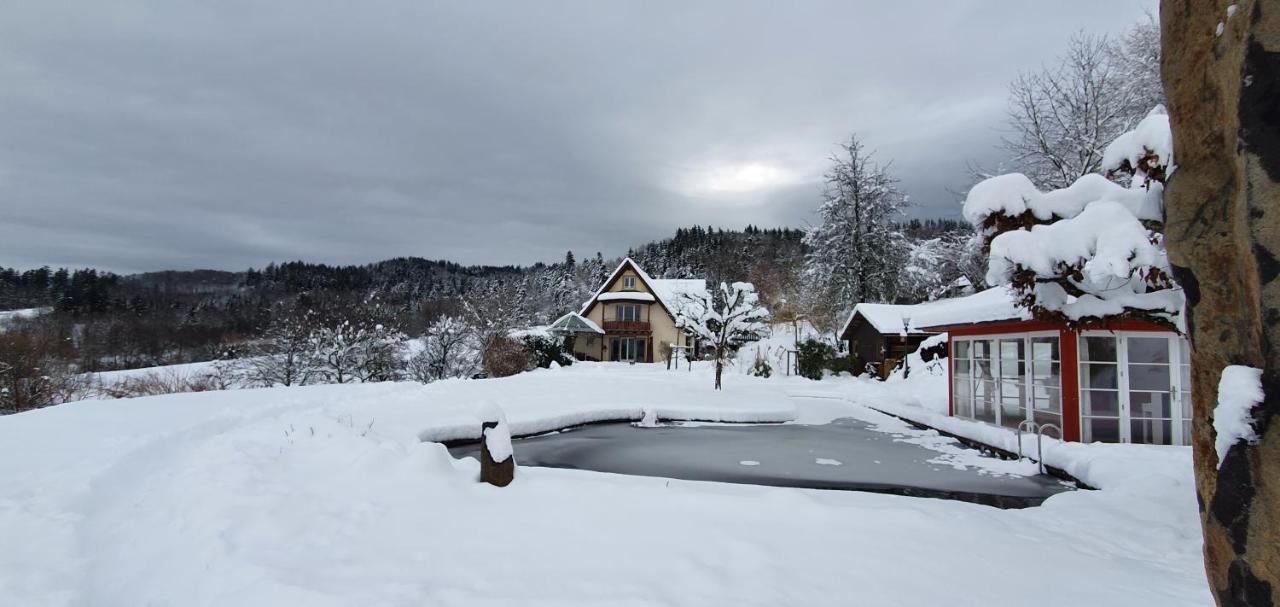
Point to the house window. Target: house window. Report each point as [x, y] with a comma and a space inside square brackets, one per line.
[629, 283]
[627, 312]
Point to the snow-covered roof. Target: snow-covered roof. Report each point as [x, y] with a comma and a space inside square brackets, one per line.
[997, 303]
[626, 296]
[672, 289]
[574, 323]
[667, 292]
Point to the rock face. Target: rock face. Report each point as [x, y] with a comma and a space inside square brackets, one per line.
[1221, 70]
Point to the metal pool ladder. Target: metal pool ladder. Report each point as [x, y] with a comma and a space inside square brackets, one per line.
[1038, 429]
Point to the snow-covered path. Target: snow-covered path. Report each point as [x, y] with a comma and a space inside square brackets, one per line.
[325, 496]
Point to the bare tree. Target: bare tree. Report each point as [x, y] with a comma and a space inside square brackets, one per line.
[1063, 116]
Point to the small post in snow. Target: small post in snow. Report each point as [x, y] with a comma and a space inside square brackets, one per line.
[497, 458]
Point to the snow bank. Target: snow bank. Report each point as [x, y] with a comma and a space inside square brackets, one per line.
[1239, 391]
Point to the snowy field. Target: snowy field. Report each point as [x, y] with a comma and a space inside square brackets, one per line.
[324, 495]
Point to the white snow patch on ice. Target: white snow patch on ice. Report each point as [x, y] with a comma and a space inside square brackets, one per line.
[749, 462]
[823, 461]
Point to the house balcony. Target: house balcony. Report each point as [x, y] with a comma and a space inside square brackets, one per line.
[625, 326]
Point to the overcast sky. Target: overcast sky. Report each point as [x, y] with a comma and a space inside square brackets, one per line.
[140, 136]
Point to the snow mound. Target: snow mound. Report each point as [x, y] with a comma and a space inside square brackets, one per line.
[1239, 391]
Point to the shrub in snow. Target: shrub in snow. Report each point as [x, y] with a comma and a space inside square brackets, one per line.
[505, 357]
[725, 319]
[815, 357]
[1094, 250]
[545, 351]
[1239, 391]
[761, 366]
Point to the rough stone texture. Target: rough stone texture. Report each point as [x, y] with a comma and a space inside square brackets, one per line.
[499, 474]
[1223, 230]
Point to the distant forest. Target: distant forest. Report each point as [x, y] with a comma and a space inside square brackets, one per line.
[99, 321]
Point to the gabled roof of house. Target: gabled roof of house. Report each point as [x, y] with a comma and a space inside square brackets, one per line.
[667, 292]
[996, 303]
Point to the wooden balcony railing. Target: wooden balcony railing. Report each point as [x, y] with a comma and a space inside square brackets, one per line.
[625, 326]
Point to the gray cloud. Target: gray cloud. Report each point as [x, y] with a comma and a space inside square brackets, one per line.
[173, 134]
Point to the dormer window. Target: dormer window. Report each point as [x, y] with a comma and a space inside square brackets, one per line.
[629, 283]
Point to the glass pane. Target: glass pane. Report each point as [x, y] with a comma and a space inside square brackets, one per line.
[984, 401]
[1011, 407]
[1046, 374]
[1149, 377]
[1012, 349]
[963, 394]
[1186, 432]
[1148, 349]
[1151, 431]
[1101, 429]
[1098, 376]
[1150, 404]
[1186, 381]
[1184, 348]
[1044, 348]
[1099, 402]
[1046, 417]
[1046, 399]
[960, 349]
[982, 369]
[1098, 348]
[1011, 369]
[982, 348]
[962, 369]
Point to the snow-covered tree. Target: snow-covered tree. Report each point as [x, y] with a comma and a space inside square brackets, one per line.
[725, 319]
[1092, 251]
[856, 248]
[1063, 116]
[347, 351]
[449, 349]
[285, 354]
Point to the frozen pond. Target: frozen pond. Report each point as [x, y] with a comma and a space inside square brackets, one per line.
[846, 454]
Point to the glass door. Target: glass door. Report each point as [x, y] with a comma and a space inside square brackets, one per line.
[1133, 387]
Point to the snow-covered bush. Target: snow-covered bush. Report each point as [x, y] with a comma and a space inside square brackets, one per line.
[1091, 251]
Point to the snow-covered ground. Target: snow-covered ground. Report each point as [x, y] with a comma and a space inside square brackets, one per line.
[8, 317]
[324, 495]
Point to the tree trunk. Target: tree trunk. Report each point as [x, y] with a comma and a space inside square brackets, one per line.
[1222, 76]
